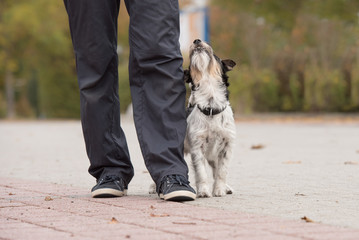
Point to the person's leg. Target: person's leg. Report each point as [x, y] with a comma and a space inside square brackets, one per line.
[157, 86]
[93, 26]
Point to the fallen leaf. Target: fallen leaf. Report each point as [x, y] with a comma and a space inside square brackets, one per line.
[292, 162]
[258, 146]
[185, 223]
[351, 163]
[307, 219]
[11, 194]
[299, 194]
[113, 221]
[152, 207]
[127, 236]
[48, 198]
[159, 215]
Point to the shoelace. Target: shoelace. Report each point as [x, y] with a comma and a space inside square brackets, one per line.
[110, 178]
[173, 179]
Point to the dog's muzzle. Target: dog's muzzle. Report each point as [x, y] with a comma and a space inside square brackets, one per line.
[198, 47]
[197, 41]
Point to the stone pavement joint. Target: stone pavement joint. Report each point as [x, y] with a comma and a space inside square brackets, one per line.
[38, 210]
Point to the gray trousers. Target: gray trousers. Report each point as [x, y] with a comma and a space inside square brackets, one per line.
[156, 81]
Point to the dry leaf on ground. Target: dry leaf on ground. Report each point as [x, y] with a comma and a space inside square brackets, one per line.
[10, 194]
[351, 163]
[257, 146]
[159, 215]
[299, 194]
[113, 221]
[48, 198]
[185, 223]
[307, 219]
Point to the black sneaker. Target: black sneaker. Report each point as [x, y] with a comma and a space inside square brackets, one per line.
[176, 188]
[110, 186]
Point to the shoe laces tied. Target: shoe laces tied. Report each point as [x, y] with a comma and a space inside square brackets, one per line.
[109, 178]
[173, 179]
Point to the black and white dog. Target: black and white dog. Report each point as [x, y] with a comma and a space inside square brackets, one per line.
[211, 129]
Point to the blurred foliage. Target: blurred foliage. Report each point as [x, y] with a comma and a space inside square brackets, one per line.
[36, 52]
[293, 56]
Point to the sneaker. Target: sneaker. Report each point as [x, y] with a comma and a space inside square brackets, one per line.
[176, 188]
[110, 186]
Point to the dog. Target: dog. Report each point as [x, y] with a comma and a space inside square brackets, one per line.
[211, 129]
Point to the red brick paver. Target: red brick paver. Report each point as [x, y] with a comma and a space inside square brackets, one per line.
[35, 210]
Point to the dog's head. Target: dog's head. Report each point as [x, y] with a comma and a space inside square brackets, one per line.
[203, 62]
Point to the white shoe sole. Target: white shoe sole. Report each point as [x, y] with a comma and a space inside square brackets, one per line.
[179, 196]
[108, 192]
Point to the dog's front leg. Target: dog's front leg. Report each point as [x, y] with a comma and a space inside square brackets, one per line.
[220, 187]
[198, 161]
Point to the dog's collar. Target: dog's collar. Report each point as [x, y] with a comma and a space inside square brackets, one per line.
[211, 111]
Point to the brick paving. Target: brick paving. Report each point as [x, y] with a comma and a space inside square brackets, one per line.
[39, 210]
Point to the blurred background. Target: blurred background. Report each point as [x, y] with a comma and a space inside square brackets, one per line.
[293, 56]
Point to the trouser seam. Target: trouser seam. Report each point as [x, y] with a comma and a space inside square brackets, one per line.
[143, 147]
[113, 112]
[113, 99]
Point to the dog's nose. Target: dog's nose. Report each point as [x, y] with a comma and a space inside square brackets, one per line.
[197, 41]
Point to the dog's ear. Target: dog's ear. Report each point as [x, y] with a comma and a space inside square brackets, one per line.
[228, 64]
[187, 76]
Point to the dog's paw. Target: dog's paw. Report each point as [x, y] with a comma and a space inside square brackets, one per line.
[219, 193]
[220, 190]
[152, 189]
[229, 190]
[203, 192]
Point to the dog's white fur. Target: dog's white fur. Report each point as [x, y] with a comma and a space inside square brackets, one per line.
[209, 138]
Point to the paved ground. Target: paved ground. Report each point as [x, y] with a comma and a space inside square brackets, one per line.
[37, 210]
[302, 168]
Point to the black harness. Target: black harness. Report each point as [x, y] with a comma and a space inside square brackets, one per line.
[211, 111]
[206, 111]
